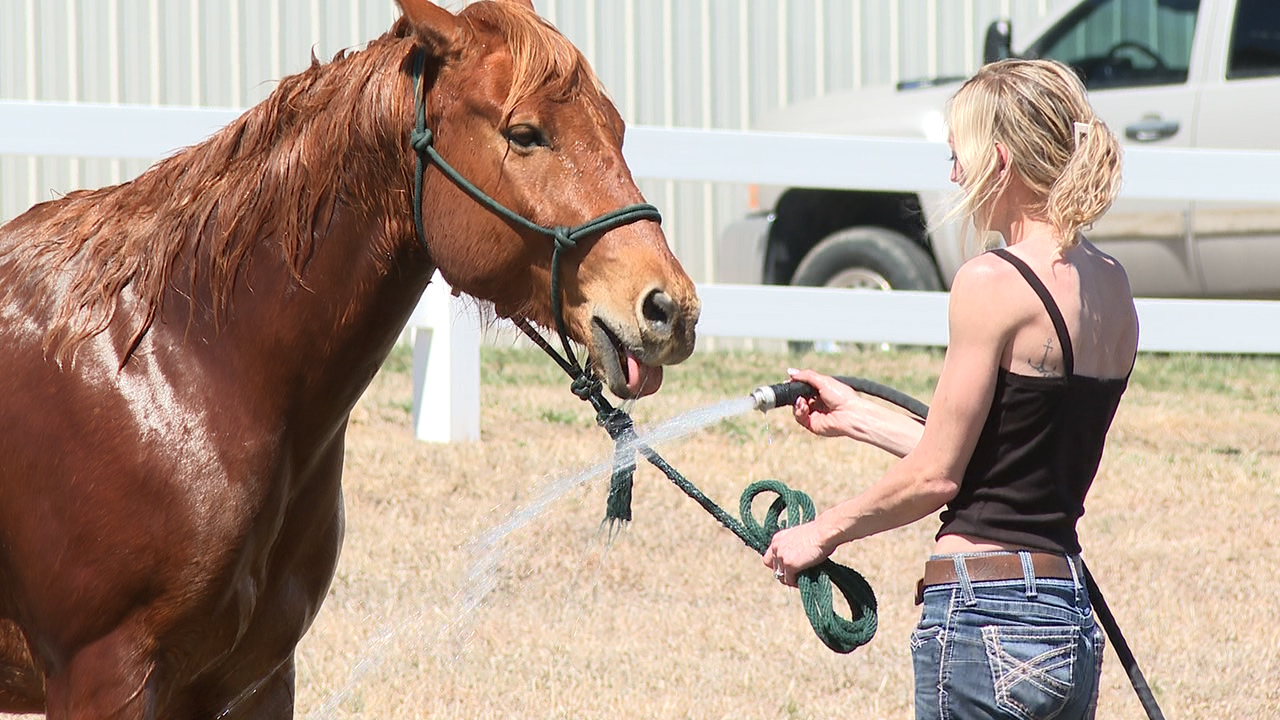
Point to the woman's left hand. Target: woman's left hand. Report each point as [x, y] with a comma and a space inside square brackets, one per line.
[794, 550]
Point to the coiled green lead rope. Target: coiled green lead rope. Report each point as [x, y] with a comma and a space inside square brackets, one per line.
[843, 635]
[839, 634]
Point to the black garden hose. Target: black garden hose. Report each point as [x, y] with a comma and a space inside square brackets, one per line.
[768, 397]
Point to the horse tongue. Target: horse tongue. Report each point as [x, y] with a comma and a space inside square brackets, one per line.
[642, 379]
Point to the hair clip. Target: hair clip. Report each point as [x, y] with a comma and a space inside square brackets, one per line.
[1082, 133]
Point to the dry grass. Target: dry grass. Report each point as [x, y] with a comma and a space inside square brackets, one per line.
[676, 619]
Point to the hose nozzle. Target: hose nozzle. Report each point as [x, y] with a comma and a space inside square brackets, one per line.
[768, 397]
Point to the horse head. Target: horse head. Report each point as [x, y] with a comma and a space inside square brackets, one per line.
[516, 110]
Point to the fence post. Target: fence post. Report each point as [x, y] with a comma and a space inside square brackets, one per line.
[446, 366]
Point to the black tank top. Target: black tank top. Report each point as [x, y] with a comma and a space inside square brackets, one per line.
[1038, 452]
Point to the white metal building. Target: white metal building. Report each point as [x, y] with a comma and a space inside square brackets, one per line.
[692, 63]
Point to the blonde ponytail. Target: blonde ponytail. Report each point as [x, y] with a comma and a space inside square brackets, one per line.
[1060, 150]
[1088, 184]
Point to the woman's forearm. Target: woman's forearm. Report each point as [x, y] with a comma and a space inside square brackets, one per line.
[888, 430]
[898, 498]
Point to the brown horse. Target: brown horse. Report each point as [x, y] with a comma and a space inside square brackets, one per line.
[181, 352]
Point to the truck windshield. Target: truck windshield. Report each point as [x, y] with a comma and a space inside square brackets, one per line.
[1124, 43]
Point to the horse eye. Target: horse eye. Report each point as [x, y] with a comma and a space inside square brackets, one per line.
[526, 136]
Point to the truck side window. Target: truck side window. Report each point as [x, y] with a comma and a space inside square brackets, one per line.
[1255, 40]
[1125, 43]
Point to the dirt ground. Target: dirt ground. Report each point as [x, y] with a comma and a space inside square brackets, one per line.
[675, 618]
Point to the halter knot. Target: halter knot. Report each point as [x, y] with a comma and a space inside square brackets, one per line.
[586, 386]
[564, 237]
[620, 427]
[421, 139]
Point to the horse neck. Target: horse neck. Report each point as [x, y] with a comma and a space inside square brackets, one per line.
[312, 329]
[307, 350]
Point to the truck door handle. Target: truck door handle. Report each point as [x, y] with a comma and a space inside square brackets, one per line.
[1151, 128]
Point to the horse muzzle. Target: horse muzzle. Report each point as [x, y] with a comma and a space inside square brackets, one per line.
[629, 355]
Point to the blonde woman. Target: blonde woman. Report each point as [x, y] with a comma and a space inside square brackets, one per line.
[1043, 338]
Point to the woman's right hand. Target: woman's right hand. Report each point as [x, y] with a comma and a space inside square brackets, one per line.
[835, 412]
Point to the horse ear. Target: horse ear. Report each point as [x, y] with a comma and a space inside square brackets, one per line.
[439, 28]
[524, 3]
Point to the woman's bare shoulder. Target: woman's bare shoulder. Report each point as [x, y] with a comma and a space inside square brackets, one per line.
[1104, 262]
[989, 293]
[982, 272]
[1105, 273]
[988, 282]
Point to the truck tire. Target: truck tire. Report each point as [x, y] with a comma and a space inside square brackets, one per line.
[871, 258]
[868, 257]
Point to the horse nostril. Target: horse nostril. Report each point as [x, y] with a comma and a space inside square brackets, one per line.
[658, 310]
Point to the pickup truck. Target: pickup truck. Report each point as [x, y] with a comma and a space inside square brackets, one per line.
[1169, 73]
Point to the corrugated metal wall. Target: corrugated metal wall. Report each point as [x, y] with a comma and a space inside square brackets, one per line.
[694, 63]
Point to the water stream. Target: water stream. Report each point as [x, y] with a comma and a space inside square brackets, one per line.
[489, 549]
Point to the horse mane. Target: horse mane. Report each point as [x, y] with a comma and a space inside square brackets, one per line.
[278, 171]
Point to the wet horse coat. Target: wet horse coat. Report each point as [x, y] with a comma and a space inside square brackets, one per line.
[181, 352]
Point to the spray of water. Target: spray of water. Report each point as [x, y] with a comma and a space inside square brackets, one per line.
[490, 548]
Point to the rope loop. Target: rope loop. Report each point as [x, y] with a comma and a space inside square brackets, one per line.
[797, 505]
[840, 634]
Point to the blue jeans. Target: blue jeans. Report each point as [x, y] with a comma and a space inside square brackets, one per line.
[1025, 649]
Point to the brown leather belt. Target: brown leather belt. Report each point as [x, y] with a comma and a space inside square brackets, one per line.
[1002, 566]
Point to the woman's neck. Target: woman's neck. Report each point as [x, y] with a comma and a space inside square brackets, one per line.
[1030, 232]
[1012, 218]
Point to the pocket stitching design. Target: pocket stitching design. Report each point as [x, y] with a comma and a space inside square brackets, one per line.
[1007, 670]
[920, 636]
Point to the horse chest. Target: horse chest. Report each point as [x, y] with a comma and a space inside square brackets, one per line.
[261, 602]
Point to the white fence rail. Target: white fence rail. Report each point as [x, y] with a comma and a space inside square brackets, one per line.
[864, 163]
[446, 352]
[148, 132]
[920, 318]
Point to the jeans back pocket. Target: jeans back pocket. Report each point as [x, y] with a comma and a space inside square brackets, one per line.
[1032, 668]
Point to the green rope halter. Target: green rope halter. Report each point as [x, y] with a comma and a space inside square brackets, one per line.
[565, 237]
[585, 385]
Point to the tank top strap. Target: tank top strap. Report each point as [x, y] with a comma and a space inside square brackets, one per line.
[1051, 307]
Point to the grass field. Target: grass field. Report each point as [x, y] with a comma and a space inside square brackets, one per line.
[675, 618]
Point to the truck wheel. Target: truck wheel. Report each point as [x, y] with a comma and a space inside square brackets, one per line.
[868, 257]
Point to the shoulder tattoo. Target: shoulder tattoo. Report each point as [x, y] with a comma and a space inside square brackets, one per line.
[1043, 367]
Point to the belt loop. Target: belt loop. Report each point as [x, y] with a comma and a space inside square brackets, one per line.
[1028, 573]
[962, 575]
[1081, 593]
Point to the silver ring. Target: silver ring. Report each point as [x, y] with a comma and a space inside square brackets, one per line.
[778, 574]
